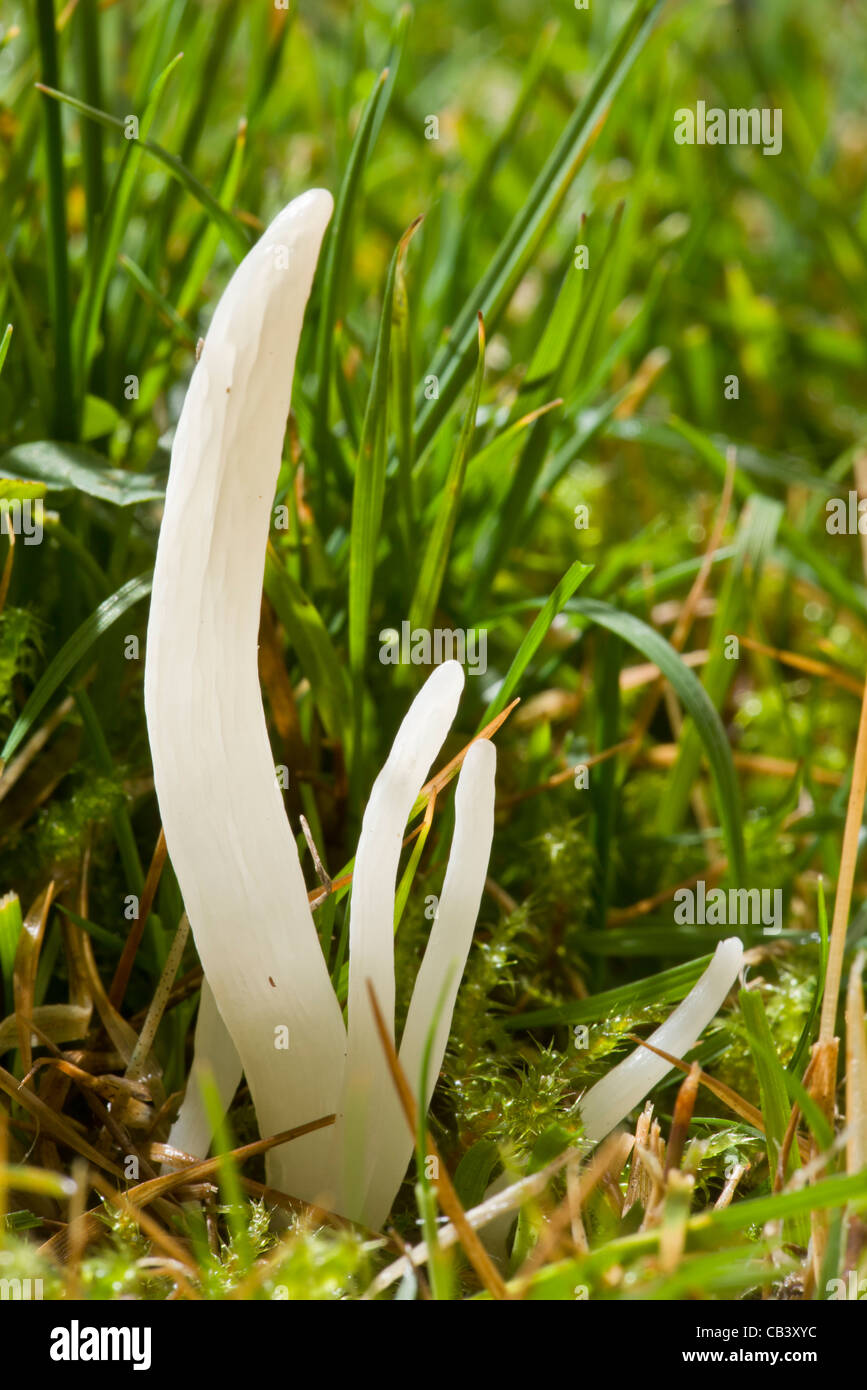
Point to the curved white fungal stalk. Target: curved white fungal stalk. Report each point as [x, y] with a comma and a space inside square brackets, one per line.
[214, 1053]
[612, 1098]
[371, 919]
[439, 975]
[225, 825]
[226, 829]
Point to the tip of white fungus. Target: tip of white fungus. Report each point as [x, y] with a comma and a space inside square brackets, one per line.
[447, 677]
[626, 1085]
[481, 754]
[731, 949]
[314, 207]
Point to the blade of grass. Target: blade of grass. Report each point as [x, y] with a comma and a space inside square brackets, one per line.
[90, 60]
[4, 344]
[151, 295]
[402, 388]
[806, 1037]
[70, 654]
[368, 496]
[123, 830]
[206, 250]
[452, 364]
[313, 646]
[669, 986]
[845, 880]
[436, 553]
[554, 604]
[556, 366]
[694, 697]
[337, 254]
[112, 225]
[232, 229]
[11, 926]
[771, 1077]
[65, 409]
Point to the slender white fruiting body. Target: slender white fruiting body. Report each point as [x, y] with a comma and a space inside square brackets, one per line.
[226, 828]
[267, 984]
[389, 1141]
[214, 1053]
[626, 1085]
[371, 916]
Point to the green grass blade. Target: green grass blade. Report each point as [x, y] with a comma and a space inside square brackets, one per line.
[698, 704]
[313, 646]
[36, 365]
[557, 599]
[757, 529]
[228, 1173]
[369, 490]
[152, 296]
[90, 57]
[112, 225]
[123, 831]
[555, 366]
[667, 987]
[436, 553]
[337, 255]
[806, 1037]
[89, 37]
[106, 939]
[65, 411]
[452, 364]
[71, 653]
[11, 927]
[771, 1078]
[402, 393]
[234, 235]
[207, 247]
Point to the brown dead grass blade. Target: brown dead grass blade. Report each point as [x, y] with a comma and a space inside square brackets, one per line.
[56, 1125]
[426, 798]
[151, 1228]
[445, 774]
[138, 1062]
[845, 879]
[146, 1192]
[711, 874]
[808, 664]
[567, 775]
[26, 965]
[682, 1118]
[133, 941]
[856, 1070]
[665, 755]
[729, 1097]
[7, 569]
[34, 745]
